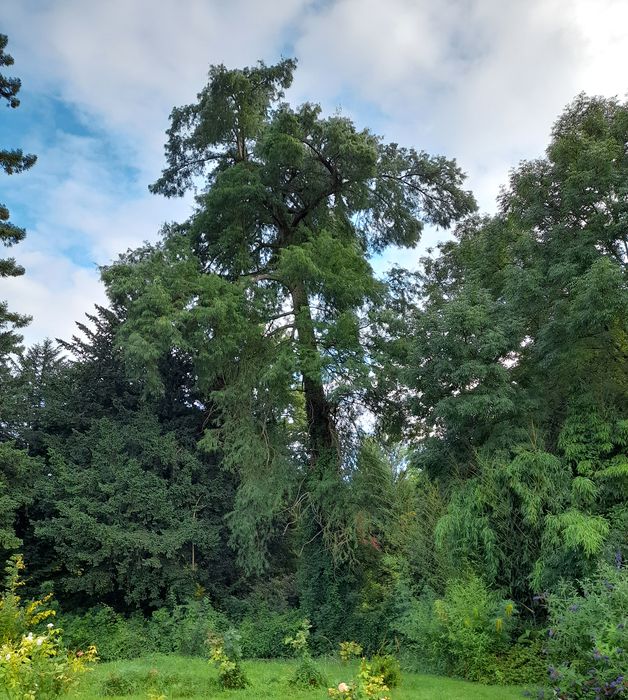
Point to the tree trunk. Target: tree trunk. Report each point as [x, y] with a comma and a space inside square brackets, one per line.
[318, 410]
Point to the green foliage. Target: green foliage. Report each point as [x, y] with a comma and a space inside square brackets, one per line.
[587, 636]
[17, 470]
[307, 674]
[11, 161]
[517, 363]
[131, 516]
[349, 650]
[388, 667]
[368, 685]
[184, 677]
[267, 287]
[226, 655]
[462, 633]
[115, 636]
[263, 631]
[183, 629]
[33, 662]
[152, 683]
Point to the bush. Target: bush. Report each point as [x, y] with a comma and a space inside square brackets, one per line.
[307, 673]
[116, 637]
[33, 662]
[226, 655]
[349, 650]
[587, 637]
[525, 662]
[368, 685]
[263, 632]
[185, 629]
[386, 666]
[150, 683]
[462, 634]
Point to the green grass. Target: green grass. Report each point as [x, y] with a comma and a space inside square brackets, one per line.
[179, 677]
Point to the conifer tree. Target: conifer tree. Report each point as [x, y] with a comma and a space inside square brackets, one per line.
[12, 161]
[267, 288]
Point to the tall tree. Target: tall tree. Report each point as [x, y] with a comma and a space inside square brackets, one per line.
[518, 362]
[11, 161]
[267, 287]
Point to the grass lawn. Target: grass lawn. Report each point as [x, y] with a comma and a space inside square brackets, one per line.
[179, 677]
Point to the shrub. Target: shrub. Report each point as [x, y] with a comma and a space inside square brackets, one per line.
[366, 686]
[523, 663]
[349, 650]
[151, 683]
[116, 637]
[387, 666]
[33, 663]
[185, 629]
[307, 673]
[226, 655]
[464, 633]
[587, 636]
[263, 632]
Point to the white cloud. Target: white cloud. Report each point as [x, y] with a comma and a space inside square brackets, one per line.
[481, 80]
[56, 293]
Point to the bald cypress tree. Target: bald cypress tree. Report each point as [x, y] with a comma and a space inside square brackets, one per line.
[268, 288]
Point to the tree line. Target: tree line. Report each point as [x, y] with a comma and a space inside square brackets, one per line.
[255, 404]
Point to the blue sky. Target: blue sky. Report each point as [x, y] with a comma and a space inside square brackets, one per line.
[480, 80]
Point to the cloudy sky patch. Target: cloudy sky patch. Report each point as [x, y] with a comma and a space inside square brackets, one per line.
[479, 80]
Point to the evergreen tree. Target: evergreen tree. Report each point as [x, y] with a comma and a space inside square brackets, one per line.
[124, 510]
[11, 161]
[268, 288]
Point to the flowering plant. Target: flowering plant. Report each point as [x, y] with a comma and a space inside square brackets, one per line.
[33, 663]
[366, 686]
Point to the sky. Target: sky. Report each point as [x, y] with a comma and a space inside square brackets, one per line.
[478, 80]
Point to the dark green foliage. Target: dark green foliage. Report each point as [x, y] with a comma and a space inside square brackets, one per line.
[131, 518]
[587, 636]
[267, 287]
[17, 471]
[11, 161]
[307, 674]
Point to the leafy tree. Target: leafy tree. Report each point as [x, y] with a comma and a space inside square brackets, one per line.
[11, 161]
[518, 362]
[267, 287]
